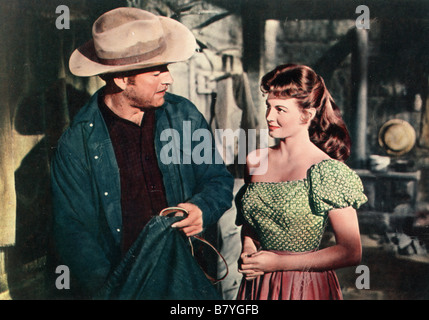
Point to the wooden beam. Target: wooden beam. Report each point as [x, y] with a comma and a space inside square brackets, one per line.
[328, 9]
[360, 97]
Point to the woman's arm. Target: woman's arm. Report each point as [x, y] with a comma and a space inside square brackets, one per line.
[346, 252]
[249, 249]
[250, 246]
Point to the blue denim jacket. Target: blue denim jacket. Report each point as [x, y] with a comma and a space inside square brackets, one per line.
[86, 185]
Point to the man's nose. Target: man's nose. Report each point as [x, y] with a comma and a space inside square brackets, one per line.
[167, 78]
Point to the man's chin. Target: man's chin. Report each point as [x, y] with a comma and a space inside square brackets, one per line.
[151, 105]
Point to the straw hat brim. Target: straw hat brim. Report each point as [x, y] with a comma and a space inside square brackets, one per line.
[397, 137]
[180, 46]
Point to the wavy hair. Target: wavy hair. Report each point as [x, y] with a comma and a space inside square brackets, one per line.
[327, 129]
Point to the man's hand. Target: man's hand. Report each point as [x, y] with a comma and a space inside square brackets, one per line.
[193, 223]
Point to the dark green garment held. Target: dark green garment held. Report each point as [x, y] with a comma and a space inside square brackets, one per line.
[159, 266]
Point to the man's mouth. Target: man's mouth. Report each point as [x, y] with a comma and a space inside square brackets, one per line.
[163, 90]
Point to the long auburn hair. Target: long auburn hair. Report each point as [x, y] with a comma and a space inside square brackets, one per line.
[327, 130]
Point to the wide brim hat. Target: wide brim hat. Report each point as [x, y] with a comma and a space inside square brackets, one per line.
[127, 39]
[397, 137]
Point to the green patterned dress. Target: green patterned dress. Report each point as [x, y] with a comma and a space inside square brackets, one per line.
[291, 216]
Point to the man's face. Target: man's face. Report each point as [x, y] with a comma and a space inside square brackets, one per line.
[147, 89]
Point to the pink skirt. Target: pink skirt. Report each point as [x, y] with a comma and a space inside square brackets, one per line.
[292, 285]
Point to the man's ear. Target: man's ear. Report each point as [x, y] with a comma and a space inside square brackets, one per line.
[121, 82]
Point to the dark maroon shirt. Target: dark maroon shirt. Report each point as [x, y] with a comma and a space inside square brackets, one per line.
[142, 188]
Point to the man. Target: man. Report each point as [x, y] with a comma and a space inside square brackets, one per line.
[108, 176]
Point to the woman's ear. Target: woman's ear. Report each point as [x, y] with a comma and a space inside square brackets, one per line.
[308, 115]
[312, 113]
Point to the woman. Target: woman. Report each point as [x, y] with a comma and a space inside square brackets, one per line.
[285, 209]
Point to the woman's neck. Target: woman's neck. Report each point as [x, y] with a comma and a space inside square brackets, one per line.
[295, 146]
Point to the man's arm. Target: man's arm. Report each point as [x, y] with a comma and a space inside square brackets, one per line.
[76, 221]
[204, 185]
[213, 194]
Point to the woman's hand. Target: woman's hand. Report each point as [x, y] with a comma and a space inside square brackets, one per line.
[254, 263]
[245, 269]
[257, 263]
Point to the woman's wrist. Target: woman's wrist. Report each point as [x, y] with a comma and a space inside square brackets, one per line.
[283, 262]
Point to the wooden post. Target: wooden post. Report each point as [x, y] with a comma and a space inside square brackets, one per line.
[360, 97]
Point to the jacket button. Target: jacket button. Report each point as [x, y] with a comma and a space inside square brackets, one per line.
[119, 230]
[106, 194]
[96, 157]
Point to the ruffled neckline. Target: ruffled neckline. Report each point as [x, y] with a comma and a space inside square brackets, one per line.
[312, 167]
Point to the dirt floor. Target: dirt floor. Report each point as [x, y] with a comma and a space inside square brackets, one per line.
[393, 276]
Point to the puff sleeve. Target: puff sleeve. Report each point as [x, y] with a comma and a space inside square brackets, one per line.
[333, 185]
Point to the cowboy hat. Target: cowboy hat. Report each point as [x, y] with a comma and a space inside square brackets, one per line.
[397, 137]
[127, 39]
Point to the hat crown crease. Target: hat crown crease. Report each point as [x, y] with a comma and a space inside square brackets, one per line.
[135, 37]
[130, 39]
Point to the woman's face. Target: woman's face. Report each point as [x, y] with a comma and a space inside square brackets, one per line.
[284, 117]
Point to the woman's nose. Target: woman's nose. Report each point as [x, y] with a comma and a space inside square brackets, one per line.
[269, 115]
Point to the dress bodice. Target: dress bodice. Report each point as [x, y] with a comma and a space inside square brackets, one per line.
[291, 215]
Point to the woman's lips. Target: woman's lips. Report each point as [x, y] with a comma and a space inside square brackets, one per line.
[271, 127]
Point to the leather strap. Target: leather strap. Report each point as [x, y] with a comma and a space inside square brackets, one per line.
[170, 210]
